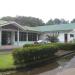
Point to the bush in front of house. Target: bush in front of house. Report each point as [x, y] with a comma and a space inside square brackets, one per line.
[66, 46]
[36, 54]
[60, 46]
[32, 56]
[30, 45]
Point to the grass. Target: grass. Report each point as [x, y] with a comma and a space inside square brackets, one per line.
[6, 60]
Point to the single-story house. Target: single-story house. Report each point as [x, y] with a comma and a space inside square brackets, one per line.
[12, 33]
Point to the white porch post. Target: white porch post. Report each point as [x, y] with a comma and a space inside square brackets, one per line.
[37, 37]
[13, 37]
[0, 36]
[18, 37]
[26, 36]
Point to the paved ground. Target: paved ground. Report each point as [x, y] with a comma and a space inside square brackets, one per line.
[69, 69]
[7, 47]
[51, 72]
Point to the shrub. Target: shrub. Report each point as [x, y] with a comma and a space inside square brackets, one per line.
[60, 46]
[66, 46]
[30, 45]
[28, 55]
[34, 54]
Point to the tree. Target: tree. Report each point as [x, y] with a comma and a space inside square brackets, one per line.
[52, 38]
[22, 20]
[57, 21]
[50, 22]
[64, 21]
[73, 21]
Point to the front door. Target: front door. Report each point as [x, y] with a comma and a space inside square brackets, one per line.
[65, 38]
[6, 38]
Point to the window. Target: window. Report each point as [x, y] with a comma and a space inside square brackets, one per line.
[71, 35]
[22, 36]
[32, 37]
[15, 36]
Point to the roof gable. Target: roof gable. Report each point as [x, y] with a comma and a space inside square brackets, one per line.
[24, 28]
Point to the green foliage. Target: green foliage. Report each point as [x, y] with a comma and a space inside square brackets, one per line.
[6, 61]
[66, 46]
[22, 20]
[56, 21]
[53, 38]
[59, 46]
[31, 45]
[34, 54]
[73, 21]
[31, 55]
[50, 22]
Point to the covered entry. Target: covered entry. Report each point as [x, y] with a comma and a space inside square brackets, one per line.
[6, 38]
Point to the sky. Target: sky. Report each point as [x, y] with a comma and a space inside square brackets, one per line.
[43, 9]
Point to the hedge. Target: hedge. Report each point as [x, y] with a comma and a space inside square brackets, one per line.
[60, 46]
[65, 46]
[30, 45]
[28, 55]
[34, 54]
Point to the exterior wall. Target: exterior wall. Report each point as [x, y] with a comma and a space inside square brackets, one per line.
[43, 36]
[60, 36]
[71, 38]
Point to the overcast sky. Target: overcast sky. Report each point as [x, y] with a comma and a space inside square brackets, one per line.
[43, 9]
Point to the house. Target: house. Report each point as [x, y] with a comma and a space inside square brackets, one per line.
[65, 32]
[11, 33]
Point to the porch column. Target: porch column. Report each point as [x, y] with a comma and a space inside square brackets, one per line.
[37, 37]
[0, 36]
[18, 37]
[13, 37]
[26, 36]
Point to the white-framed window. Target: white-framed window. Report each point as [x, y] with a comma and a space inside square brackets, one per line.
[71, 35]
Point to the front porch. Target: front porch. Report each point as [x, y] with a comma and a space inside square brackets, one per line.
[17, 38]
[12, 35]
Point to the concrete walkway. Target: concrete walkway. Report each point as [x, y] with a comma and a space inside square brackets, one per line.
[8, 47]
[68, 69]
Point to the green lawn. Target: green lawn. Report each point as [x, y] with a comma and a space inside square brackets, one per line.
[6, 60]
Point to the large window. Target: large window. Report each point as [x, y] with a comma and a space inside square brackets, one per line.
[15, 36]
[22, 36]
[32, 37]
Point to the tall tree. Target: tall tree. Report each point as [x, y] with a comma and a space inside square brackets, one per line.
[22, 20]
[57, 21]
[73, 21]
[63, 21]
[50, 22]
